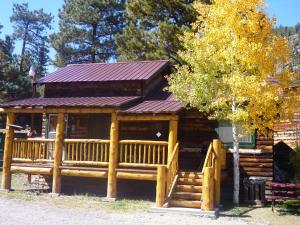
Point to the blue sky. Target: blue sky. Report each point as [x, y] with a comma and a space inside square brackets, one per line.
[287, 13]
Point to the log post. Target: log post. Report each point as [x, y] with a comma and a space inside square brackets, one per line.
[113, 158]
[59, 139]
[173, 126]
[208, 189]
[161, 186]
[217, 172]
[8, 148]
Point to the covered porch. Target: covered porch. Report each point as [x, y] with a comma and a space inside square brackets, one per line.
[112, 158]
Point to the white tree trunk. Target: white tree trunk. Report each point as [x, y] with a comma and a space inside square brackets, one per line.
[236, 160]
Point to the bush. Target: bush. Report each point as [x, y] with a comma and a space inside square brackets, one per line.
[295, 164]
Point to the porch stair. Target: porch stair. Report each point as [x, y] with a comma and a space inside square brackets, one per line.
[188, 190]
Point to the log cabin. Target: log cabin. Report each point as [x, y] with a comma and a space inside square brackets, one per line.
[114, 121]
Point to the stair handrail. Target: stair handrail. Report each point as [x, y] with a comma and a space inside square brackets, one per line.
[172, 170]
[175, 152]
[208, 159]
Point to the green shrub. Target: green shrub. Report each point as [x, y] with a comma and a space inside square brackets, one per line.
[295, 163]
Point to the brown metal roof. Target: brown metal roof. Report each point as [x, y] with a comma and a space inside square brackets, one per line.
[120, 71]
[155, 107]
[72, 102]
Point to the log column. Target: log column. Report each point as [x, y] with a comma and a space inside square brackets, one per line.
[208, 187]
[8, 148]
[59, 139]
[217, 173]
[173, 126]
[161, 186]
[113, 158]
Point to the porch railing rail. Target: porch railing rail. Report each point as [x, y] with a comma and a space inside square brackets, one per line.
[33, 150]
[89, 152]
[140, 153]
[172, 170]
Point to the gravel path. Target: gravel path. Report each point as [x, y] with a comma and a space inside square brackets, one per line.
[20, 212]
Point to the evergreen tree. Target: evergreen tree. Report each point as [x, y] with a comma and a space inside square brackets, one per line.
[154, 29]
[87, 31]
[30, 27]
[13, 83]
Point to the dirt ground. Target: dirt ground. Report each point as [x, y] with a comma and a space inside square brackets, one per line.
[28, 206]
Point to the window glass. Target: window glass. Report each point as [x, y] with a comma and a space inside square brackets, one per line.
[225, 134]
[52, 123]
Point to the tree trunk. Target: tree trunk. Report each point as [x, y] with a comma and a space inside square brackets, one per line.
[93, 50]
[236, 160]
[23, 48]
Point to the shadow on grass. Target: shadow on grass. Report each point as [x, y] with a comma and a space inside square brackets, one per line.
[229, 210]
[288, 208]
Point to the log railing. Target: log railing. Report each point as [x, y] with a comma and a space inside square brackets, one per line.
[172, 169]
[212, 176]
[139, 153]
[86, 152]
[33, 150]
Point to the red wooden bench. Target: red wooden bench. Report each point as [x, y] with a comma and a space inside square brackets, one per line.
[283, 191]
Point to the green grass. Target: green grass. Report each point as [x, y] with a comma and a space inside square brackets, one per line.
[87, 201]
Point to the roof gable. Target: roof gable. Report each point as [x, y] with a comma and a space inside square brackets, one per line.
[101, 72]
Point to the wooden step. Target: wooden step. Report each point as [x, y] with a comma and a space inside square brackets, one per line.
[187, 195]
[189, 188]
[185, 203]
[194, 181]
[184, 174]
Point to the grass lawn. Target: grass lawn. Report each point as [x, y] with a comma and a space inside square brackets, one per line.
[22, 191]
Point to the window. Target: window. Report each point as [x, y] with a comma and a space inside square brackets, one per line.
[224, 131]
[52, 123]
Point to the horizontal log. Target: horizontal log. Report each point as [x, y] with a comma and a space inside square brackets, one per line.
[268, 156]
[138, 165]
[83, 173]
[136, 176]
[147, 118]
[285, 185]
[254, 164]
[84, 163]
[97, 141]
[31, 170]
[43, 140]
[265, 147]
[32, 161]
[256, 173]
[57, 110]
[247, 169]
[84, 168]
[143, 142]
[39, 165]
[262, 160]
[152, 171]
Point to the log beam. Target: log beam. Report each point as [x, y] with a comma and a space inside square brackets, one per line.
[113, 158]
[8, 148]
[147, 118]
[60, 127]
[173, 126]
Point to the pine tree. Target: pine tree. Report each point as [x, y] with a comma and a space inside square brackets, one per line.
[154, 27]
[30, 27]
[87, 31]
[13, 83]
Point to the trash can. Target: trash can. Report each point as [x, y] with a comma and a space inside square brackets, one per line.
[255, 190]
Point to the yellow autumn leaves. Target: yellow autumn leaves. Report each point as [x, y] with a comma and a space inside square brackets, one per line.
[232, 53]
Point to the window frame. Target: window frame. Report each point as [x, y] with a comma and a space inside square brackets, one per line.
[241, 144]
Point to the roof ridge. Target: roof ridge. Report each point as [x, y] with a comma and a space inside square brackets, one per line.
[121, 62]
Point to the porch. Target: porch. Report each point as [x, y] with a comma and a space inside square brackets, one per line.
[113, 158]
